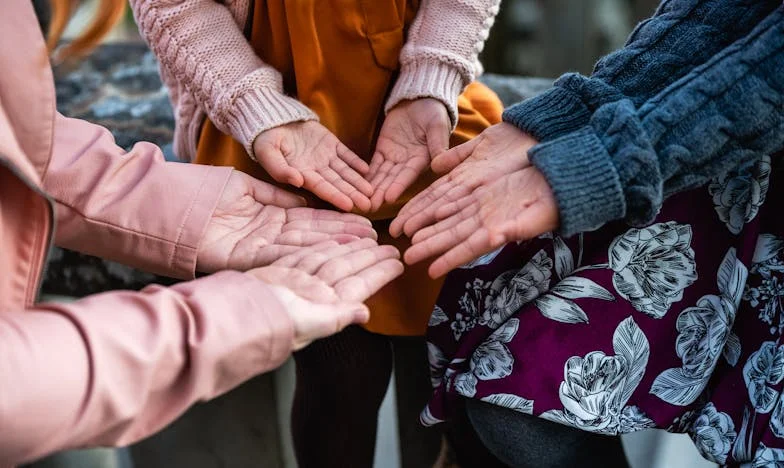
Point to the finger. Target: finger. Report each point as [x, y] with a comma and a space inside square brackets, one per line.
[347, 223]
[328, 227]
[296, 214]
[352, 177]
[269, 254]
[421, 202]
[438, 137]
[429, 231]
[377, 179]
[354, 262]
[478, 244]
[448, 209]
[326, 191]
[428, 216]
[446, 237]
[378, 195]
[313, 262]
[292, 259]
[361, 286]
[359, 199]
[276, 165]
[403, 180]
[304, 238]
[375, 164]
[354, 161]
[450, 159]
[323, 320]
[268, 194]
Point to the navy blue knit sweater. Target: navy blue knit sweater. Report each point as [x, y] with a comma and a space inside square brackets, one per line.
[698, 89]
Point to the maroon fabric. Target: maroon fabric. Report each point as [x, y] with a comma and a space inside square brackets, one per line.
[676, 325]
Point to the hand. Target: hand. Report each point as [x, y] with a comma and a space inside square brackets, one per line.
[322, 287]
[517, 206]
[307, 155]
[498, 151]
[413, 133]
[255, 223]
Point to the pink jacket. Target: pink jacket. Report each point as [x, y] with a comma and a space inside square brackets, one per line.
[112, 368]
[211, 69]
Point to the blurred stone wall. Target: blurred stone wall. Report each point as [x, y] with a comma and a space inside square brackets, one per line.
[550, 37]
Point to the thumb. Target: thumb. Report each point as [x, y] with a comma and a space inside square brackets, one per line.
[322, 320]
[437, 134]
[268, 194]
[450, 159]
[272, 160]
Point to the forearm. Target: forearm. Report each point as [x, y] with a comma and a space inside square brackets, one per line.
[131, 207]
[117, 367]
[682, 35]
[628, 160]
[199, 44]
[441, 54]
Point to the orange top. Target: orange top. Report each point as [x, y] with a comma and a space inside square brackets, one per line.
[342, 67]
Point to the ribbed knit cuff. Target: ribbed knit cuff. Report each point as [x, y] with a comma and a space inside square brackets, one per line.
[262, 109]
[549, 115]
[428, 78]
[584, 180]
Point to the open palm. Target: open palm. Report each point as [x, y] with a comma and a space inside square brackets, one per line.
[307, 155]
[255, 223]
[518, 206]
[413, 133]
[498, 151]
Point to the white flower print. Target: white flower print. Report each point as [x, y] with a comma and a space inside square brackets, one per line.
[768, 296]
[596, 387]
[470, 304]
[492, 359]
[632, 419]
[438, 362]
[704, 334]
[558, 303]
[713, 433]
[427, 419]
[437, 317]
[742, 448]
[465, 384]
[777, 419]
[514, 402]
[513, 289]
[767, 457]
[738, 194]
[765, 367]
[653, 266]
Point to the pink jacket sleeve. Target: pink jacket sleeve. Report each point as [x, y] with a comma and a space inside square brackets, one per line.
[116, 367]
[132, 207]
[441, 54]
[200, 45]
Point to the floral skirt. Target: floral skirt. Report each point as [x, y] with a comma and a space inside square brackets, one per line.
[677, 325]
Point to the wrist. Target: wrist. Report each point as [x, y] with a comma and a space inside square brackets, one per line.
[427, 78]
[262, 109]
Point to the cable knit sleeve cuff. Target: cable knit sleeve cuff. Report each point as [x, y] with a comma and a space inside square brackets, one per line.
[262, 109]
[428, 78]
[584, 180]
[549, 115]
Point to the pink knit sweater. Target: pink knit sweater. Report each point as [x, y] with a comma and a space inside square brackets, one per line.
[210, 68]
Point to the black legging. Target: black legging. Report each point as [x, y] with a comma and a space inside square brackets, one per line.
[341, 382]
[523, 441]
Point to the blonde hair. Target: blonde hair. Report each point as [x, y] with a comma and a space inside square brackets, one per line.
[108, 14]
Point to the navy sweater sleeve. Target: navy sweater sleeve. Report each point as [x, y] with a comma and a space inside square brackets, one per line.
[680, 36]
[628, 159]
